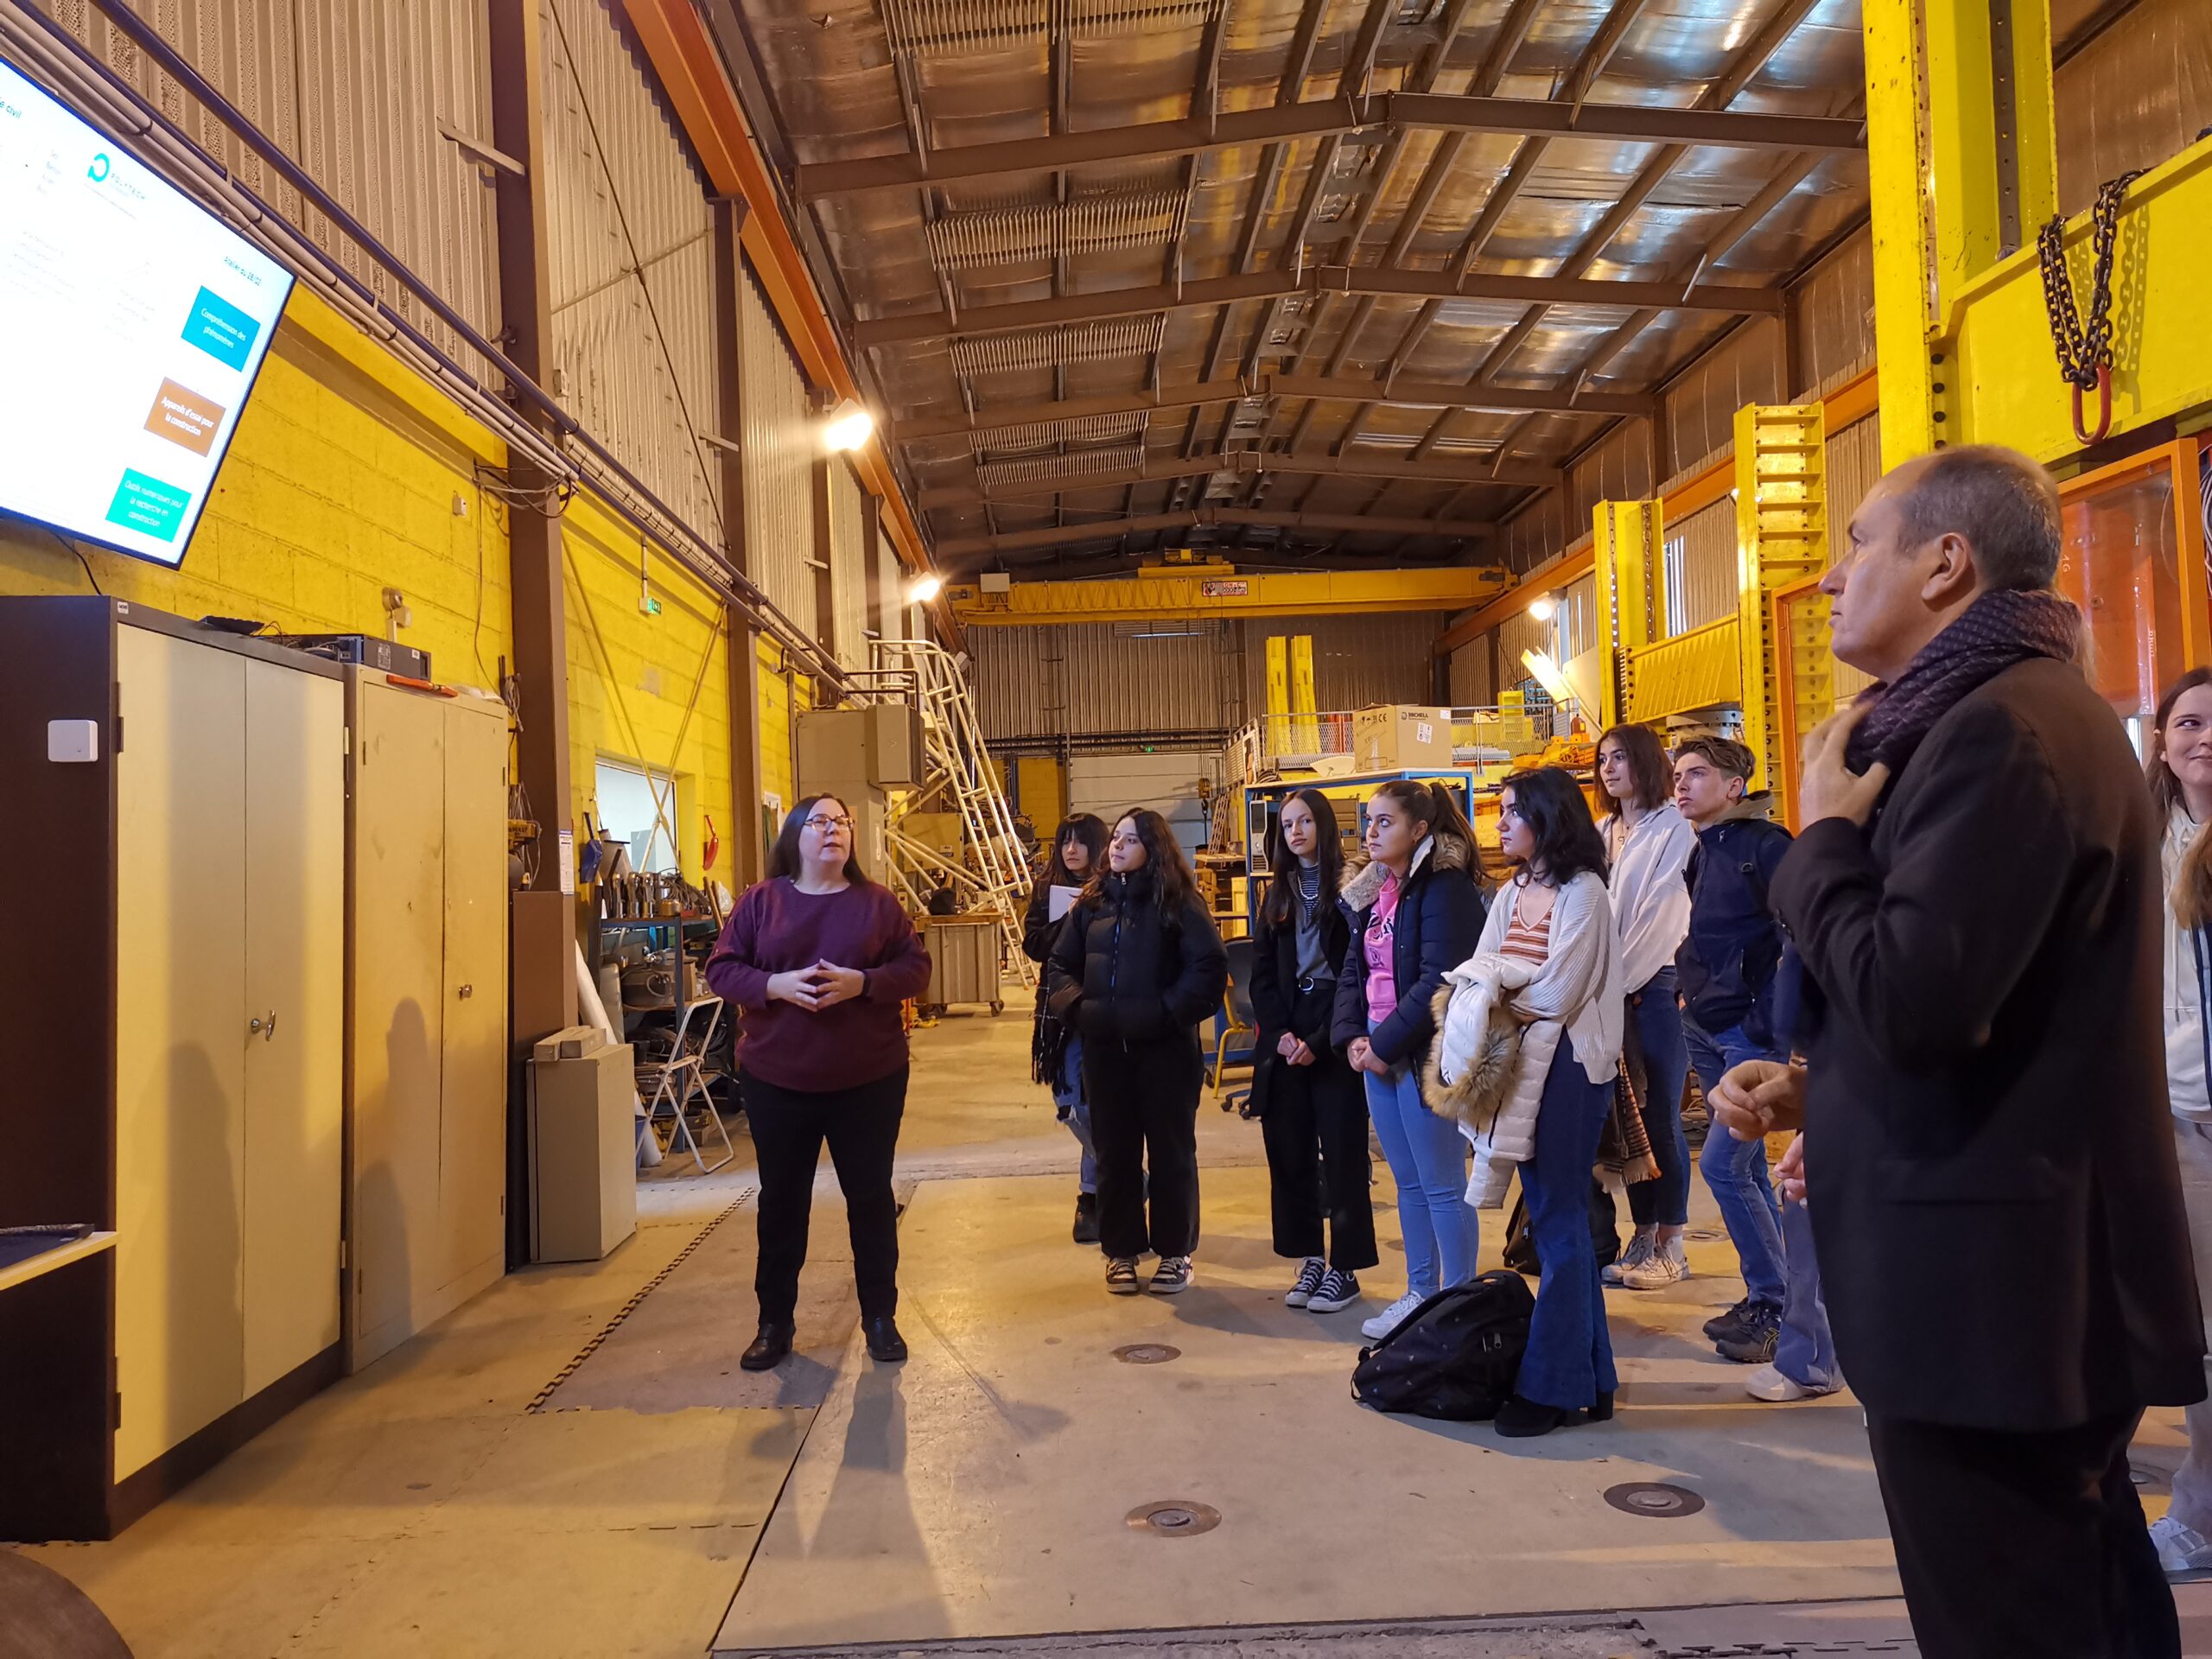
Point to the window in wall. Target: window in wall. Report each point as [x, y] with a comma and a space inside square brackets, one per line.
[627, 803]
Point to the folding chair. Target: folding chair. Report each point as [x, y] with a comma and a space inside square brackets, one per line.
[678, 1081]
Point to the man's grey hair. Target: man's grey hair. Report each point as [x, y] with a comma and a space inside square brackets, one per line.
[2004, 504]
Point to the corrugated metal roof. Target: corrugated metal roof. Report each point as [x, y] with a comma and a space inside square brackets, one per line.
[850, 86]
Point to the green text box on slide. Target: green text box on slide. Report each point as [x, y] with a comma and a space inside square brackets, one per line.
[144, 503]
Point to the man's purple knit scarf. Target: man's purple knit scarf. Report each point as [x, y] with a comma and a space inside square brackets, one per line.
[1999, 629]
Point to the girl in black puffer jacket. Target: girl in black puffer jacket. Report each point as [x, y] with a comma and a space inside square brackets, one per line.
[1138, 966]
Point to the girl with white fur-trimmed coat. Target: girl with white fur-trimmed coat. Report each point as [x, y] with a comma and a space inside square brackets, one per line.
[1550, 961]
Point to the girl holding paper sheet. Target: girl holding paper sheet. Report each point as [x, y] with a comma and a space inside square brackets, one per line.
[1055, 1050]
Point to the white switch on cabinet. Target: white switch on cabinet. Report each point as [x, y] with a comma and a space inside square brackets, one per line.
[73, 741]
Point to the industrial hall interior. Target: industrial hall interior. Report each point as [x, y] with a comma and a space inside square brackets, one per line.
[1114, 827]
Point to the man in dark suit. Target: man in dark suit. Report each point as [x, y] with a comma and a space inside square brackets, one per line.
[1993, 1192]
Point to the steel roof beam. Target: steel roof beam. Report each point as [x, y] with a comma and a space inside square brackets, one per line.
[1167, 468]
[1727, 299]
[1318, 117]
[1414, 394]
[1017, 541]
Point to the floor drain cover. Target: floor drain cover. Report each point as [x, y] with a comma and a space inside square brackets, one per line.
[1653, 1500]
[1147, 1353]
[1175, 1519]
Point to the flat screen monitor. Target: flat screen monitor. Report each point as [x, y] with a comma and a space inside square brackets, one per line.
[135, 322]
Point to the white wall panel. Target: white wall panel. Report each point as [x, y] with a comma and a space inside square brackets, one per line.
[779, 459]
[847, 567]
[628, 229]
[1702, 584]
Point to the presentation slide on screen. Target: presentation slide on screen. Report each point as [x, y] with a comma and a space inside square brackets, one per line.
[134, 323]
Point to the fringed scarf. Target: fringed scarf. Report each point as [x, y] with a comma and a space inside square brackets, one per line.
[1999, 629]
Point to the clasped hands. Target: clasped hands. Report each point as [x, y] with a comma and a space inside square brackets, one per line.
[822, 986]
[1755, 1099]
[1293, 1049]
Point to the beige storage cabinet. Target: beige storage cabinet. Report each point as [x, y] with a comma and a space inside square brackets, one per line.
[176, 1043]
[426, 1103]
[964, 960]
[583, 1146]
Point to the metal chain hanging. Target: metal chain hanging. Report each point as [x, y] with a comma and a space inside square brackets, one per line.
[2085, 354]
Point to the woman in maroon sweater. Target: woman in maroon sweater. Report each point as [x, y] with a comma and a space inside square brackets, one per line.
[819, 957]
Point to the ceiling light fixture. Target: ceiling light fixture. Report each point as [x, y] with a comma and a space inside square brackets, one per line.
[848, 427]
[1543, 607]
[924, 588]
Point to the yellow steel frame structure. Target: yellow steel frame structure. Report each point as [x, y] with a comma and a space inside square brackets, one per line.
[1625, 541]
[1962, 165]
[1190, 592]
[1781, 537]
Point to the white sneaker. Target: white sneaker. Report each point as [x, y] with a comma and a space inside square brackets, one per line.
[1662, 1267]
[1638, 1253]
[1769, 1384]
[2181, 1549]
[1391, 1317]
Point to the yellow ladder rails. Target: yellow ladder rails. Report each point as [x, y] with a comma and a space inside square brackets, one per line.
[1781, 535]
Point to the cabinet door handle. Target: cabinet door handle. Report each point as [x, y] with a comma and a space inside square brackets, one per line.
[269, 1031]
[467, 991]
[253, 1025]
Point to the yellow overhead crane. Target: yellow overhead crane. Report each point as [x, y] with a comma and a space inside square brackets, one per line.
[1187, 585]
[1963, 167]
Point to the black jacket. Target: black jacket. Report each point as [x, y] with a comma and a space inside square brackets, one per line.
[1440, 923]
[1274, 973]
[1725, 970]
[1993, 1192]
[1121, 970]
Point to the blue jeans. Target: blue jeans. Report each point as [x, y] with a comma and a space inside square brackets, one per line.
[1427, 1157]
[1657, 1020]
[1736, 1170]
[1805, 1352]
[1069, 1094]
[1570, 1358]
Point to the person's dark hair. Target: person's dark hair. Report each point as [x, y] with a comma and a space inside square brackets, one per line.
[2192, 898]
[1088, 828]
[1651, 775]
[785, 861]
[1434, 808]
[2004, 504]
[1277, 908]
[1723, 752]
[1172, 880]
[1552, 804]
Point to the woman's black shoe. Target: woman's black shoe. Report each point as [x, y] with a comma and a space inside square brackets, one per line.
[884, 1342]
[769, 1348]
[1524, 1419]
[1086, 1217]
[1602, 1411]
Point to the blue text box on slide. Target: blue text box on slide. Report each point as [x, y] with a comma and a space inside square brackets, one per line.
[221, 329]
[144, 503]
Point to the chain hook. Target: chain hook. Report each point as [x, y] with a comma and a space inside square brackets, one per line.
[2104, 407]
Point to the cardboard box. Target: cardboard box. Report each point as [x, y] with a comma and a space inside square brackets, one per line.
[1399, 737]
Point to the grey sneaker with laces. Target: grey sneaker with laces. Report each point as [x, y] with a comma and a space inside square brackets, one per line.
[1638, 1253]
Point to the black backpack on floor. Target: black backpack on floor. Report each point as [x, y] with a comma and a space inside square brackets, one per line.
[1455, 1356]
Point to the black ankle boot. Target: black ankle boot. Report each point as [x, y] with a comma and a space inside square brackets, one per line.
[884, 1343]
[1524, 1419]
[1602, 1411]
[772, 1345]
[1086, 1217]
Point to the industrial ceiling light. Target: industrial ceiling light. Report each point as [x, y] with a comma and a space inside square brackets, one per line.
[924, 588]
[848, 427]
[1543, 607]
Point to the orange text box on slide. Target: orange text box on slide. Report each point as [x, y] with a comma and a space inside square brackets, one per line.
[185, 417]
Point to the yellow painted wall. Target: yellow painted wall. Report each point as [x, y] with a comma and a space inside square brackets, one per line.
[652, 690]
[334, 489]
[1041, 792]
[781, 701]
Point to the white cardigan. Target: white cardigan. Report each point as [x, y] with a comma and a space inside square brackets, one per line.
[1651, 901]
[1578, 991]
[1579, 985]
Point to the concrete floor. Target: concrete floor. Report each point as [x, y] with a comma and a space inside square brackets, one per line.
[982, 1491]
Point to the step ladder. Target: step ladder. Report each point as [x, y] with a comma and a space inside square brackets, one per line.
[993, 875]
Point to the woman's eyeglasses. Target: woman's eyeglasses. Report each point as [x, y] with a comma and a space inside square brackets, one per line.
[824, 826]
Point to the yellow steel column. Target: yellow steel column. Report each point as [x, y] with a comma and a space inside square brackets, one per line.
[1274, 725]
[1962, 167]
[1625, 541]
[1781, 535]
[1306, 730]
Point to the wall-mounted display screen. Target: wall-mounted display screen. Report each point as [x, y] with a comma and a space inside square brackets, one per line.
[134, 323]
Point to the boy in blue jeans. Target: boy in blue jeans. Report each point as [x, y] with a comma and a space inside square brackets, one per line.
[1727, 972]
